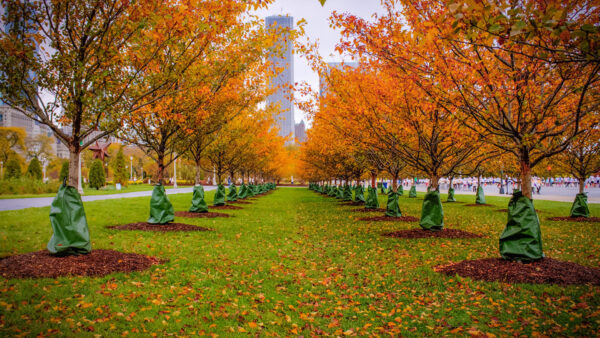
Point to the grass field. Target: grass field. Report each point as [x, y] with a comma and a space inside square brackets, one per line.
[297, 263]
[107, 190]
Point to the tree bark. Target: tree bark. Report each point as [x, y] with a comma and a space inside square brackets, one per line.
[197, 178]
[525, 174]
[581, 184]
[395, 183]
[74, 166]
[373, 179]
[451, 178]
[161, 169]
[434, 182]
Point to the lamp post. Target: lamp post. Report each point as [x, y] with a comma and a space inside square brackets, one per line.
[131, 167]
[1, 169]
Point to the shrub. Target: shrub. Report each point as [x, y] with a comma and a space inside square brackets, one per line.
[64, 171]
[96, 175]
[13, 169]
[27, 185]
[120, 172]
[34, 170]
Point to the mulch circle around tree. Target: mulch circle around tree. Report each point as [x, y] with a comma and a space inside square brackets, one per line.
[545, 271]
[200, 214]
[368, 210]
[420, 233]
[479, 205]
[99, 262]
[506, 210]
[389, 219]
[239, 202]
[224, 207]
[576, 219]
[353, 204]
[169, 227]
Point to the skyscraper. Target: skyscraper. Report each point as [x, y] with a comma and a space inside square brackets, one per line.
[333, 65]
[284, 81]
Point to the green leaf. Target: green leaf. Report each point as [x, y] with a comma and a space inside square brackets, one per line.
[589, 28]
[495, 28]
[322, 2]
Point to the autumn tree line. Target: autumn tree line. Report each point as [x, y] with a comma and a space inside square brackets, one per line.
[445, 88]
[178, 79]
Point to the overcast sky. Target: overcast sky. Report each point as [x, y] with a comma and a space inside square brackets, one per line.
[317, 29]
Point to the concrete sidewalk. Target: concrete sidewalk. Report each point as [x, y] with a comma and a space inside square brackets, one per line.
[24, 203]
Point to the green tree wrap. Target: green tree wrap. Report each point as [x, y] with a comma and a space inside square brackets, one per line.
[413, 192]
[359, 194]
[339, 192]
[521, 240]
[382, 188]
[480, 199]
[580, 206]
[393, 209]
[432, 213]
[219, 196]
[257, 189]
[347, 193]
[198, 202]
[161, 210]
[70, 235]
[400, 190]
[233, 195]
[372, 201]
[451, 195]
[242, 194]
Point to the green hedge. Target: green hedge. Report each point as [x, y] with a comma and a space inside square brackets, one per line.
[27, 185]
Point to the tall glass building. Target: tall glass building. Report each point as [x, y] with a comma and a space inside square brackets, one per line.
[284, 81]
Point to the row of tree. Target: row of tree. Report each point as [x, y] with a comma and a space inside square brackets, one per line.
[445, 89]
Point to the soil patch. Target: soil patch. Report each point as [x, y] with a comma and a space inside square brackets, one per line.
[479, 205]
[225, 207]
[389, 219]
[420, 233]
[239, 202]
[576, 219]
[353, 204]
[368, 210]
[169, 227]
[545, 271]
[99, 262]
[200, 214]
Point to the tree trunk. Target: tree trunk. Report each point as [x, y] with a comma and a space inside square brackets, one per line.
[395, 182]
[433, 182]
[73, 179]
[197, 178]
[161, 169]
[525, 174]
[374, 179]
[581, 184]
[478, 180]
[451, 178]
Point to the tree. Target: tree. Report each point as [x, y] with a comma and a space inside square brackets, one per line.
[11, 139]
[12, 169]
[120, 173]
[81, 75]
[96, 175]
[34, 170]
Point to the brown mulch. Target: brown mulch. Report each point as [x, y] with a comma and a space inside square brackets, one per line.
[368, 210]
[224, 207]
[99, 262]
[545, 271]
[200, 214]
[389, 219]
[479, 205]
[506, 210]
[353, 204]
[239, 202]
[420, 233]
[159, 227]
[576, 219]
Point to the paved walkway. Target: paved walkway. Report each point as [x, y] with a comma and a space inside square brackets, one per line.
[37, 202]
[561, 194]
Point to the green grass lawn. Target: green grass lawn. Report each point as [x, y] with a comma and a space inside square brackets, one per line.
[107, 190]
[297, 263]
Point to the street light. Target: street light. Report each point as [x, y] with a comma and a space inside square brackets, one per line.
[175, 173]
[1, 169]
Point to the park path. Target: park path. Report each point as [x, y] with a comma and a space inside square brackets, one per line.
[37, 202]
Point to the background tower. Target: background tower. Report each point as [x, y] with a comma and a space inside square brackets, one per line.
[284, 81]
